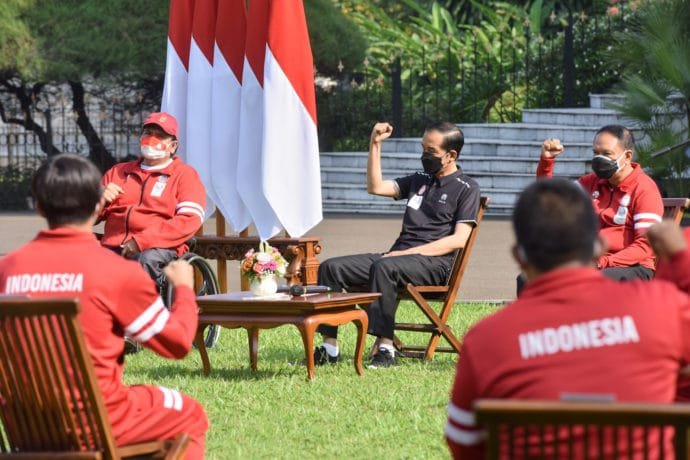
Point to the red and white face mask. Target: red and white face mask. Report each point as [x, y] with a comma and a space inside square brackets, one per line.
[153, 148]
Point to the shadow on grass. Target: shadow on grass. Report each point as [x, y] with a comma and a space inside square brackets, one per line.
[240, 373]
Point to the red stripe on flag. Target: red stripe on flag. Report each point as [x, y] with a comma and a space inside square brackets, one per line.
[204, 28]
[180, 28]
[231, 28]
[288, 40]
[257, 29]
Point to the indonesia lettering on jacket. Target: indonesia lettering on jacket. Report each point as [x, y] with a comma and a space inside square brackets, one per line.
[604, 332]
[44, 282]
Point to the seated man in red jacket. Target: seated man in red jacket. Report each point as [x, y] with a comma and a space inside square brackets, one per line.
[153, 205]
[569, 324]
[117, 298]
[626, 200]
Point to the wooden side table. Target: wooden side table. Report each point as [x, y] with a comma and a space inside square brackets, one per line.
[242, 309]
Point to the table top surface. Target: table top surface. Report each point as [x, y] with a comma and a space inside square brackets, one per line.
[247, 301]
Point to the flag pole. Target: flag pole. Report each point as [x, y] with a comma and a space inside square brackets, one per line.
[222, 263]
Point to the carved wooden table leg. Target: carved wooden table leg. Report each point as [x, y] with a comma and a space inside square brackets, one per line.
[362, 323]
[307, 329]
[253, 336]
[199, 342]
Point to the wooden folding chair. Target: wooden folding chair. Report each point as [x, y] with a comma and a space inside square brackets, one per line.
[675, 207]
[519, 429]
[50, 403]
[446, 295]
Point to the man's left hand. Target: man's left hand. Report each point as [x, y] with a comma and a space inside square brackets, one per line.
[666, 239]
[130, 249]
[394, 254]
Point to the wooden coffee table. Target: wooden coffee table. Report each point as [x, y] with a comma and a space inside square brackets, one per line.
[242, 309]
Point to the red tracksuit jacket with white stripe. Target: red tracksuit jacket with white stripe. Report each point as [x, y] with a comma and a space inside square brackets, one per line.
[573, 332]
[160, 208]
[117, 297]
[625, 213]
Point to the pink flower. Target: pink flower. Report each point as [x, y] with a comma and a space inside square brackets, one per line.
[263, 257]
[258, 268]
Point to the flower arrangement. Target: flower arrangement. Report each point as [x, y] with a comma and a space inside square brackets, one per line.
[263, 263]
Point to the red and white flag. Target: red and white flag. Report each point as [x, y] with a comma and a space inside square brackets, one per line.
[177, 64]
[249, 164]
[228, 62]
[199, 94]
[291, 171]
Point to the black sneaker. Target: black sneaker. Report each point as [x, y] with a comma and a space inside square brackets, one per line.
[131, 346]
[322, 357]
[384, 358]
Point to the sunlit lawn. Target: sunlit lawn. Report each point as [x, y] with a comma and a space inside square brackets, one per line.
[276, 413]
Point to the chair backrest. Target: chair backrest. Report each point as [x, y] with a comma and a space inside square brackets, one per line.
[462, 258]
[49, 396]
[574, 429]
[675, 207]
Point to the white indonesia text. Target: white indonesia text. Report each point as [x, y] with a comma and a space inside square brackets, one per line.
[44, 282]
[604, 332]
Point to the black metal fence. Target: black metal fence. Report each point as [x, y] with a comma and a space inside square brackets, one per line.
[557, 68]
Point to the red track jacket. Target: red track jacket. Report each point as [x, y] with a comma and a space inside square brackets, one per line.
[625, 212]
[572, 331]
[160, 208]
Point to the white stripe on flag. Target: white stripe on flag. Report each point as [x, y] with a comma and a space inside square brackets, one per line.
[249, 165]
[291, 170]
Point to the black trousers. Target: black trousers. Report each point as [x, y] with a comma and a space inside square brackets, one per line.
[385, 275]
[154, 260]
[633, 272]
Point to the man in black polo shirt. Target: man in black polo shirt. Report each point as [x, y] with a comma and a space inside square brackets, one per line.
[442, 205]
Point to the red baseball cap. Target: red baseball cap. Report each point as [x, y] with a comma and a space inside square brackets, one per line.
[167, 122]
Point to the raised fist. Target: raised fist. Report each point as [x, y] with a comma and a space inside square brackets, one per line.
[381, 132]
[551, 148]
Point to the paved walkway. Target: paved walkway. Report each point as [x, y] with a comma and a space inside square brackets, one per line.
[490, 275]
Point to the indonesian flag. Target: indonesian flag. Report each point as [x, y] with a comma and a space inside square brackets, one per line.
[199, 94]
[177, 63]
[228, 62]
[249, 165]
[291, 172]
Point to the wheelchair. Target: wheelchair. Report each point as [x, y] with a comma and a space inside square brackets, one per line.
[205, 283]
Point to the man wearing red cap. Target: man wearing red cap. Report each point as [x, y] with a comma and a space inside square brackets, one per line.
[153, 205]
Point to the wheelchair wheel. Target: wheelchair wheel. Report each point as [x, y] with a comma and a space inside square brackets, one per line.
[208, 286]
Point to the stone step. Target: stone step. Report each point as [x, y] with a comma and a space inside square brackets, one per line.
[491, 147]
[472, 166]
[392, 207]
[340, 191]
[575, 117]
[486, 180]
[527, 132]
[603, 101]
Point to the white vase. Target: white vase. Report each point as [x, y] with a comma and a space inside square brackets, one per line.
[264, 286]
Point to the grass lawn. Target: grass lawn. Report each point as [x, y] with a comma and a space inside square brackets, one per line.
[276, 413]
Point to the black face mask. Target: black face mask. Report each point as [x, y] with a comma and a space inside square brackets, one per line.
[604, 167]
[431, 164]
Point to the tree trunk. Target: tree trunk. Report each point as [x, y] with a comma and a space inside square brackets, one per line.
[27, 121]
[97, 151]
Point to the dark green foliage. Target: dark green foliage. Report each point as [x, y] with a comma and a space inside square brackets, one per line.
[656, 86]
[15, 188]
[334, 38]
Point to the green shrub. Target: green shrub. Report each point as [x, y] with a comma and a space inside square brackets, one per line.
[15, 188]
